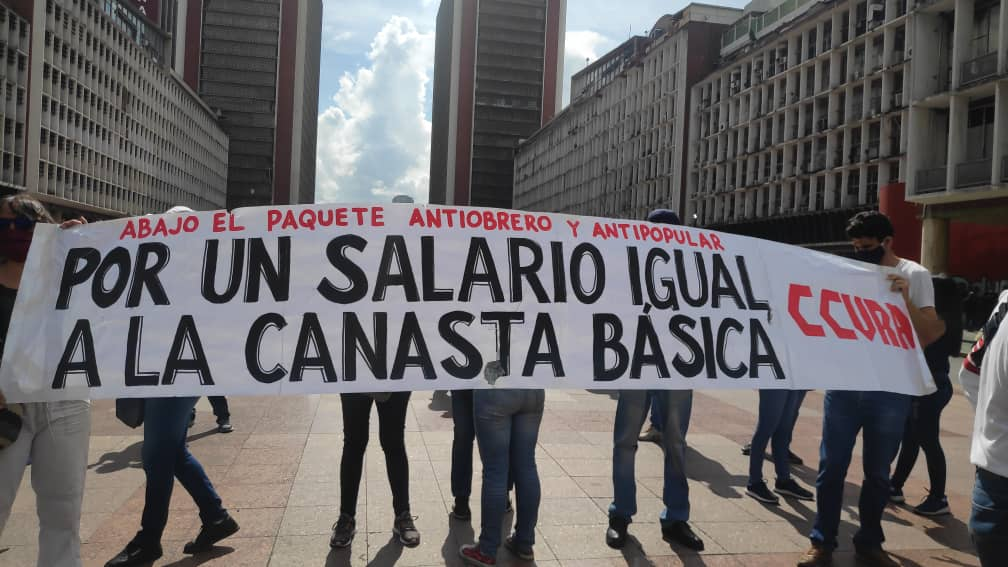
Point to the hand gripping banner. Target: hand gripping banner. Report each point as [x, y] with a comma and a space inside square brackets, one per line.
[331, 298]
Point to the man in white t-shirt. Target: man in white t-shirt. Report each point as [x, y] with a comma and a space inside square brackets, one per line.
[984, 378]
[881, 415]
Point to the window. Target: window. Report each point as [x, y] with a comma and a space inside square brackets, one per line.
[980, 130]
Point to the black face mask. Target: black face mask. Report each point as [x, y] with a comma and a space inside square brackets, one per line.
[872, 255]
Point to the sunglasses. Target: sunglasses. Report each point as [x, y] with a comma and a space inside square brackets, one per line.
[20, 222]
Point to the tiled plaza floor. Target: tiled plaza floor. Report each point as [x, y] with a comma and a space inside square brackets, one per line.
[278, 474]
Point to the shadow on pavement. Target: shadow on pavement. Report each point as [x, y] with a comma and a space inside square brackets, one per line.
[116, 461]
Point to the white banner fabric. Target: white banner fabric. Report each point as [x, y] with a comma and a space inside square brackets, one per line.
[331, 298]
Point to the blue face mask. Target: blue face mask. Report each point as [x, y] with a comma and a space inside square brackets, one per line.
[871, 255]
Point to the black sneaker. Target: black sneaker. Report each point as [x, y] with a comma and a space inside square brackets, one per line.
[616, 534]
[343, 531]
[461, 511]
[405, 529]
[790, 488]
[760, 492]
[136, 554]
[746, 449]
[932, 506]
[210, 534]
[681, 533]
[518, 550]
[896, 495]
[224, 426]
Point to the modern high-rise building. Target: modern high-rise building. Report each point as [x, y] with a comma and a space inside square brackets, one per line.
[619, 149]
[256, 62]
[498, 74]
[95, 121]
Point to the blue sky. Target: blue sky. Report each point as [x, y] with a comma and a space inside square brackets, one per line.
[375, 90]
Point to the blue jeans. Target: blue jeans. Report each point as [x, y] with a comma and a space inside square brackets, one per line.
[165, 458]
[507, 429]
[462, 443]
[675, 407]
[989, 520]
[778, 413]
[882, 415]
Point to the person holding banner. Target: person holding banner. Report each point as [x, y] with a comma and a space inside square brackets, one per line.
[507, 429]
[674, 408]
[881, 415]
[984, 378]
[54, 435]
[392, 408]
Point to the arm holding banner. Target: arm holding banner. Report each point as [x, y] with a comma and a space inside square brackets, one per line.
[924, 318]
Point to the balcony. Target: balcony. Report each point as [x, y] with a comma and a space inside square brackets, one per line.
[973, 173]
[979, 69]
[931, 180]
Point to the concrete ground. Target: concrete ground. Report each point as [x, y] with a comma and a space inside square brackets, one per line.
[278, 475]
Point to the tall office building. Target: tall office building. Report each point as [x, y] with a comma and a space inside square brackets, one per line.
[256, 62]
[95, 121]
[619, 149]
[498, 72]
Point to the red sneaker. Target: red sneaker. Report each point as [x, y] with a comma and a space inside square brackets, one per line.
[471, 555]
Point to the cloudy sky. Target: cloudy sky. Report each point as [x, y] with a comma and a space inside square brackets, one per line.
[375, 92]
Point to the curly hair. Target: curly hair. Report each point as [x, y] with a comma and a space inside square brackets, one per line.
[27, 206]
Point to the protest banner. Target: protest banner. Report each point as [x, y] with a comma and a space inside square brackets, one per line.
[330, 298]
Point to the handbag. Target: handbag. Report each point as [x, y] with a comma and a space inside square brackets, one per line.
[130, 411]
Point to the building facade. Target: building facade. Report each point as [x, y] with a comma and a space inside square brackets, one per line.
[95, 121]
[497, 79]
[618, 150]
[804, 120]
[258, 66]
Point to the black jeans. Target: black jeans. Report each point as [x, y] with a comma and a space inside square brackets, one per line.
[923, 429]
[220, 408]
[391, 432]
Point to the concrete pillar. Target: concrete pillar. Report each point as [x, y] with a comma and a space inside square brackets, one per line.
[1003, 39]
[958, 110]
[935, 244]
[961, 35]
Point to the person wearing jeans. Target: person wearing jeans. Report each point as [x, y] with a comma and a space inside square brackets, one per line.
[463, 438]
[675, 407]
[923, 432]
[984, 377]
[220, 411]
[507, 430]
[54, 436]
[778, 413]
[166, 458]
[392, 409]
[881, 416]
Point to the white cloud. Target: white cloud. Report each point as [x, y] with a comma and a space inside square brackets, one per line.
[581, 47]
[374, 138]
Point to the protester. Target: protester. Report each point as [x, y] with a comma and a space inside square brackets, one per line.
[392, 408]
[166, 457]
[793, 419]
[778, 413]
[984, 378]
[923, 432]
[463, 437]
[881, 415]
[507, 429]
[674, 407]
[220, 411]
[54, 435]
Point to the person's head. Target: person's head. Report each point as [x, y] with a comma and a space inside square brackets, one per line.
[178, 209]
[18, 216]
[871, 233]
[663, 216]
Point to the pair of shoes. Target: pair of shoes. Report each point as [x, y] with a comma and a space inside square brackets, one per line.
[405, 529]
[896, 495]
[816, 556]
[224, 426]
[789, 488]
[461, 511]
[210, 534]
[932, 506]
[343, 531]
[651, 434]
[680, 532]
[518, 550]
[136, 554]
[616, 534]
[760, 492]
[874, 557]
[471, 555]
